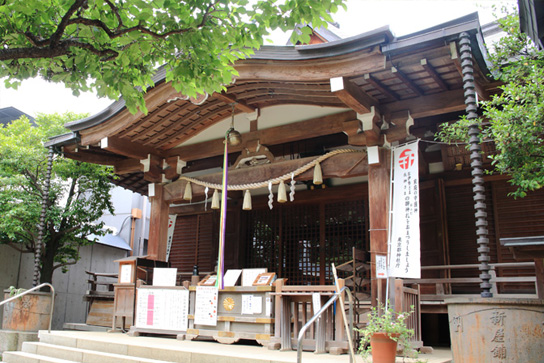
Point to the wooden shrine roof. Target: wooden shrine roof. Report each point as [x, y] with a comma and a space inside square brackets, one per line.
[419, 74]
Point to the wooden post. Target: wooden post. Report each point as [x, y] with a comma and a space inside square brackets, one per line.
[378, 206]
[158, 224]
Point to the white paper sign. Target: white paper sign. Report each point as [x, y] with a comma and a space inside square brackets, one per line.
[231, 277]
[164, 276]
[126, 274]
[404, 252]
[206, 305]
[316, 301]
[268, 306]
[257, 304]
[247, 304]
[164, 309]
[381, 266]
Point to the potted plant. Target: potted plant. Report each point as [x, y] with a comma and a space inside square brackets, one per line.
[384, 330]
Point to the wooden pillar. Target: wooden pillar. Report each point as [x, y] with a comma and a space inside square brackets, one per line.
[378, 208]
[158, 223]
[539, 269]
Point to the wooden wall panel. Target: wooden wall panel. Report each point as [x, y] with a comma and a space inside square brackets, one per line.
[462, 232]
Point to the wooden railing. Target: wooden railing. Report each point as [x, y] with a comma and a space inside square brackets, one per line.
[294, 308]
[445, 286]
[405, 298]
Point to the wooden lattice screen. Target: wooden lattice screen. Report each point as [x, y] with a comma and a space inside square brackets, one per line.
[299, 242]
[192, 244]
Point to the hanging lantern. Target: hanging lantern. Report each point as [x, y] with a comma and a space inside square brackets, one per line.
[318, 175]
[215, 199]
[282, 194]
[247, 201]
[188, 195]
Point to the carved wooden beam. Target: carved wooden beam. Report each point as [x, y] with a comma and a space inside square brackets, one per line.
[434, 104]
[173, 167]
[128, 166]
[370, 126]
[351, 95]
[365, 61]
[91, 157]
[400, 123]
[337, 166]
[354, 130]
[125, 147]
[320, 126]
[152, 167]
[240, 105]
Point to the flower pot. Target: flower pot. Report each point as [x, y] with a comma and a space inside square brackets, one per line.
[384, 349]
[29, 313]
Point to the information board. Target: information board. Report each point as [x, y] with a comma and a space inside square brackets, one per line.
[206, 305]
[164, 309]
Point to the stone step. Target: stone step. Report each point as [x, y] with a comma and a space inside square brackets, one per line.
[25, 357]
[81, 355]
[162, 350]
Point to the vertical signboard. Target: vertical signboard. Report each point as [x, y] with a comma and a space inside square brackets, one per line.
[404, 243]
[170, 234]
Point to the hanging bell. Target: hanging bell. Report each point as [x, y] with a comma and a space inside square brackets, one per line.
[188, 195]
[247, 201]
[318, 175]
[234, 137]
[282, 194]
[215, 200]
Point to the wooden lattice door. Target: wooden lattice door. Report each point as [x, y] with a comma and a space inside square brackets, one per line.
[299, 242]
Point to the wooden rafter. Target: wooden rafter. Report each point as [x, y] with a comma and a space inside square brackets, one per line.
[351, 95]
[404, 79]
[434, 74]
[238, 104]
[380, 87]
[154, 101]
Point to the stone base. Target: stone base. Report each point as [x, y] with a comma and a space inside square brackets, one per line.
[11, 340]
[495, 329]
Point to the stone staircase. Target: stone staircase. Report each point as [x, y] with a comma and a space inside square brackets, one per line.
[100, 347]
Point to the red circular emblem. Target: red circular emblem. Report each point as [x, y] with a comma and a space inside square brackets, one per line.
[406, 159]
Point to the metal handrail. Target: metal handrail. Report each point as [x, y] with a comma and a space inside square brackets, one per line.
[318, 314]
[34, 289]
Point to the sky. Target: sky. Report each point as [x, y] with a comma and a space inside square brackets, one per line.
[402, 16]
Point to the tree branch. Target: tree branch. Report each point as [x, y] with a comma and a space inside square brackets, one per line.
[65, 21]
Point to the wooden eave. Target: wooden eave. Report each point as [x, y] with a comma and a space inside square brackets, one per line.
[417, 75]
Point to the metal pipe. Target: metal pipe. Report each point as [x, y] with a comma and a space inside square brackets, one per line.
[34, 289]
[318, 314]
[467, 70]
